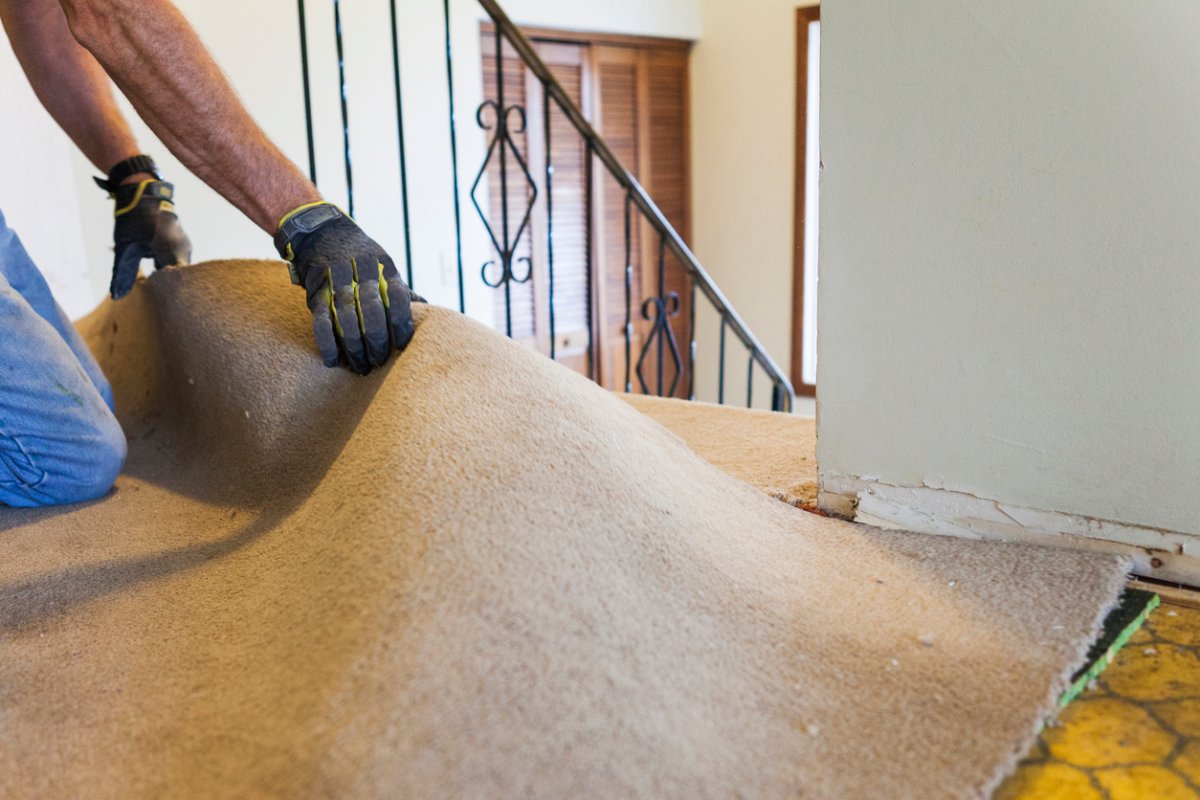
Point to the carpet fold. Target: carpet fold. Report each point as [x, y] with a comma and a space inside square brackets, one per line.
[474, 573]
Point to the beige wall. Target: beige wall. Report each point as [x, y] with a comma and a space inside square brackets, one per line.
[1009, 240]
[743, 109]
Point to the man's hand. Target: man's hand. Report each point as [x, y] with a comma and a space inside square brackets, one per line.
[361, 307]
[146, 227]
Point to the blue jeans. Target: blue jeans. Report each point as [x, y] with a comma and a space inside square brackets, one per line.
[59, 440]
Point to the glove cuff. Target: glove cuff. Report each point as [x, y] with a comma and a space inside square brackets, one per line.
[123, 169]
[129, 196]
[301, 222]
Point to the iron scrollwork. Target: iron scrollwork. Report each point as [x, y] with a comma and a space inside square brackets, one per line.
[658, 312]
[504, 122]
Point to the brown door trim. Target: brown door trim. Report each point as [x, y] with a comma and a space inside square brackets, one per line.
[803, 17]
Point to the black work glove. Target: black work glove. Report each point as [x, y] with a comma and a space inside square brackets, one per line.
[146, 227]
[361, 308]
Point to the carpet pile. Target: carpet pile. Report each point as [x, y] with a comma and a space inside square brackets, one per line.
[476, 574]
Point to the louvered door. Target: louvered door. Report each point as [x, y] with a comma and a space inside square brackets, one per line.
[642, 115]
[635, 93]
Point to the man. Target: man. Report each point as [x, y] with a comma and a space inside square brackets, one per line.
[59, 440]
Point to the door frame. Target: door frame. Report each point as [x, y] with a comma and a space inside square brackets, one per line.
[803, 17]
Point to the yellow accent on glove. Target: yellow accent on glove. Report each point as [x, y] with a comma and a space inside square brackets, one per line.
[330, 301]
[304, 207]
[137, 198]
[387, 304]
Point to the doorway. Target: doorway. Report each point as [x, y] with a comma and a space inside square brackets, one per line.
[633, 90]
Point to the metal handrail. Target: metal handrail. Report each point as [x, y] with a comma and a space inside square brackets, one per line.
[664, 306]
[524, 48]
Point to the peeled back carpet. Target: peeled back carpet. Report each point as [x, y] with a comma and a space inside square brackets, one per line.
[476, 574]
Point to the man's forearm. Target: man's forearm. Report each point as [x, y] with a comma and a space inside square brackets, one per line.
[158, 61]
[68, 81]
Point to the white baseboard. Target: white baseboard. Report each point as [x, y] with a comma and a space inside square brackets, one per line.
[1157, 553]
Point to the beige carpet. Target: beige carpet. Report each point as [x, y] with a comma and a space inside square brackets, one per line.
[774, 452]
[475, 574]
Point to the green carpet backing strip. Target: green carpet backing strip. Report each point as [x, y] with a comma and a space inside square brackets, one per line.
[1130, 614]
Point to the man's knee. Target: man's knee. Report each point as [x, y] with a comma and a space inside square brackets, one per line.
[100, 460]
[106, 456]
[45, 474]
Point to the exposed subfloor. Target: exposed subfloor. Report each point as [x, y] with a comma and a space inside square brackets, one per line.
[1135, 733]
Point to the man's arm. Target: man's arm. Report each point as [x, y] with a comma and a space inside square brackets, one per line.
[78, 94]
[159, 63]
[360, 305]
[68, 81]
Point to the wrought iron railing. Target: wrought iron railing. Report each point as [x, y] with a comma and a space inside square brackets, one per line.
[660, 347]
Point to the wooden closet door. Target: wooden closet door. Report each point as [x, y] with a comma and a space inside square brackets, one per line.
[620, 108]
[566, 195]
[635, 94]
[642, 115]
[667, 180]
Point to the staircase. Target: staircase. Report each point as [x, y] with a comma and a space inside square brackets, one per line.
[655, 351]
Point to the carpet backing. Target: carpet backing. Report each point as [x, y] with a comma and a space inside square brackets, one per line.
[476, 574]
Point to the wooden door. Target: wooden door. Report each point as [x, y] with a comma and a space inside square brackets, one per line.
[642, 115]
[635, 93]
[565, 196]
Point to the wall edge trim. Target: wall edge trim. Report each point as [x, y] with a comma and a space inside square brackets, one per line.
[1156, 552]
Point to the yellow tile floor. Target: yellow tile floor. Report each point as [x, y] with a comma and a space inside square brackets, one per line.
[1135, 733]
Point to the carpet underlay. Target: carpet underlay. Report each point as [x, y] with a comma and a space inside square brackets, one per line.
[476, 574]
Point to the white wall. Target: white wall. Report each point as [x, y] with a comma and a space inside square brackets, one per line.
[743, 107]
[1009, 247]
[66, 222]
[37, 189]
